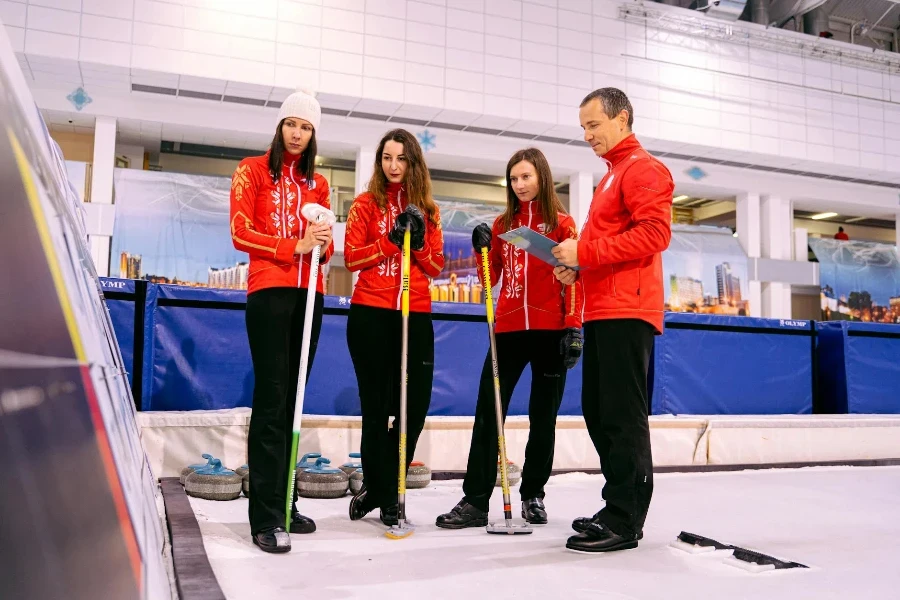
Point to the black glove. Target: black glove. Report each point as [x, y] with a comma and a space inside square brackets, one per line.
[412, 216]
[481, 237]
[570, 346]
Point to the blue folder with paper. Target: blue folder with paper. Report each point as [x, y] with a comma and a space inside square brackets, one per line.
[532, 242]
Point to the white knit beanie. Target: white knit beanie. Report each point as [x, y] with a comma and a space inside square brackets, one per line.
[302, 104]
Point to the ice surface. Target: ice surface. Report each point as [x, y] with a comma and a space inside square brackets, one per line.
[842, 522]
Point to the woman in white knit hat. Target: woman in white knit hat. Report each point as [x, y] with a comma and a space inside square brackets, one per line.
[267, 193]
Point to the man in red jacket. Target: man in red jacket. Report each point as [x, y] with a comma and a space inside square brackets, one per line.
[619, 260]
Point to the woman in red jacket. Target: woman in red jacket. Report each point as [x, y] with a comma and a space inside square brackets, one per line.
[267, 193]
[399, 193]
[538, 323]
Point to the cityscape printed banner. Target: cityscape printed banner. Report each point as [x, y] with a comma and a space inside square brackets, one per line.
[860, 281]
[173, 228]
[458, 281]
[705, 271]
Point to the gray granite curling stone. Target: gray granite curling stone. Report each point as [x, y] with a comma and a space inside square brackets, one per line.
[418, 475]
[513, 472]
[350, 467]
[244, 472]
[191, 468]
[356, 481]
[322, 481]
[213, 482]
[305, 463]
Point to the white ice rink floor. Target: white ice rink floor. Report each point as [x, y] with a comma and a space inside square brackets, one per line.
[843, 522]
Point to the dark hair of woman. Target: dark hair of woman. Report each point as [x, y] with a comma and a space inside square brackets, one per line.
[417, 181]
[548, 202]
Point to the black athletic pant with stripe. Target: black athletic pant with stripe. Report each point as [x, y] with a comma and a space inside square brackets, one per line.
[373, 337]
[614, 402]
[275, 331]
[515, 351]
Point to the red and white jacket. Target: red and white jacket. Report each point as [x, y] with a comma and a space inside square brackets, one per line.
[266, 222]
[531, 297]
[368, 250]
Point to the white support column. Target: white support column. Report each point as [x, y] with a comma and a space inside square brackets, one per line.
[102, 187]
[365, 163]
[897, 230]
[748, 230]
[776, 242]
[581, 191]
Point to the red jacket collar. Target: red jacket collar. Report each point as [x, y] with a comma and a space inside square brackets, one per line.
[392, 189]
[287, 160]
[528, 208]
[623, 149]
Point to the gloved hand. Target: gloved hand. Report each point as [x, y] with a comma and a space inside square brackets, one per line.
[412, 216]
[481, 237]
[570, 346]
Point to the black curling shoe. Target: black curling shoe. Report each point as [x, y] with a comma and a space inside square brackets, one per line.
[582, 523]
[358, 507]
[534, 512]
[463, 515]
[390, 515]
[275, 540]
[301, 524]
[599, 538]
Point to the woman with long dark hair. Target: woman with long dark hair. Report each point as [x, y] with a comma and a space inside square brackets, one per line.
[399, 194]
[538, 322]
[267, 193]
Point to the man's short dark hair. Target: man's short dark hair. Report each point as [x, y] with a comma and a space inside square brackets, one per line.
[613, 100]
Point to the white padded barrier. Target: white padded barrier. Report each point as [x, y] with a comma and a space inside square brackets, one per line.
[175, 439]
[801, 438]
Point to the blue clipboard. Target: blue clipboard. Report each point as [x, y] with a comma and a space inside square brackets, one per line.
[535, 244]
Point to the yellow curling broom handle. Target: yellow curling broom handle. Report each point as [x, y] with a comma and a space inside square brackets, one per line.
[404, 304]
[498, 406]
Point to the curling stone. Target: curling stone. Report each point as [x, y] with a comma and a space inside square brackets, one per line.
[213, 482]
[350, 467]
[304, 462]
[513, 473]
[191, 468]
[356, 481]
[418, 475]
[322, 481]
[244, 472]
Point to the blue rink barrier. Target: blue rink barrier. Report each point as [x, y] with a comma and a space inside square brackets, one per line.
[125, 301]
[722, 365]
[192, 353]
[195, 355]
[860, 367]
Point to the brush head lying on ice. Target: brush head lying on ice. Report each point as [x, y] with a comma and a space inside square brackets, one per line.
[316, 213]
[400, 531]
[509, 528]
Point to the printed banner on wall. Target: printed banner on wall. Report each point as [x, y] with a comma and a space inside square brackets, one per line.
[173, 228]
[459, 282]
[860, 280]
[705, 271]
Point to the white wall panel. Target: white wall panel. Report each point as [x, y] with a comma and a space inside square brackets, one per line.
[533, 60]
